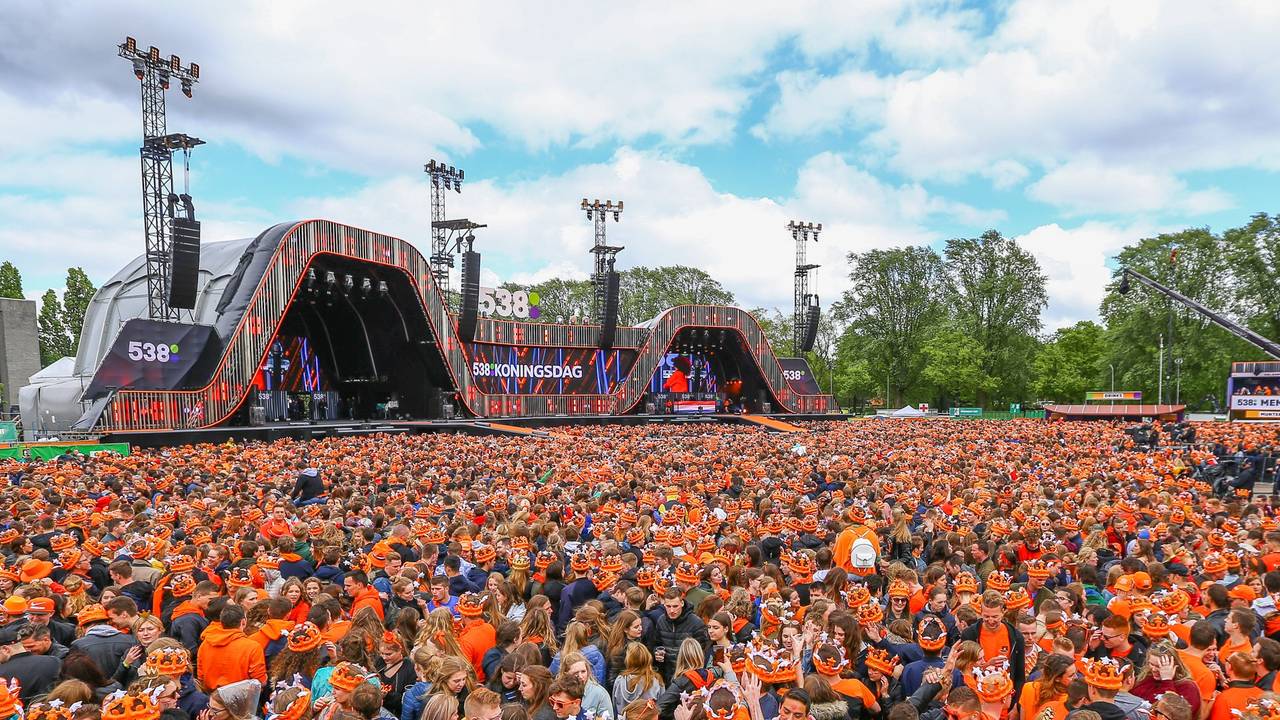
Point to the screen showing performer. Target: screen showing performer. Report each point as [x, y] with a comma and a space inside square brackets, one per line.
[684, 373]
[291, 365]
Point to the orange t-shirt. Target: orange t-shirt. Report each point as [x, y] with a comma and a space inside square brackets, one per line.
[1201, 674]
[1030, 705]
[1233, 698]
[1228, 649]
[995, 644]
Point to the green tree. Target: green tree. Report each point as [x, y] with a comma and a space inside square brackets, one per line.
[1253, 253]
[559, 299]
[645, 292]
[1072, 363]
[10, 281]
[75, 303]
[893, 307]
[997, 292]
[1195, 263]
[954, 364]
[54, 341]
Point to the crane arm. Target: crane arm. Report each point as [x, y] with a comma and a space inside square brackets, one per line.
[1269, 347]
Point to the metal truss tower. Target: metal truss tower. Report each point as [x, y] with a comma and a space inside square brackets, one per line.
[800, 232]
[443, 177]
[599, 212]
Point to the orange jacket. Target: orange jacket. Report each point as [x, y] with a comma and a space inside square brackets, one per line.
[227, 655]
[368, 598]
[844, 544]
[336, 631]
[271, 631]
[476, 640]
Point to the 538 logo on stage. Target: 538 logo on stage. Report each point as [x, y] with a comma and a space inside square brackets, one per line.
[152, 352]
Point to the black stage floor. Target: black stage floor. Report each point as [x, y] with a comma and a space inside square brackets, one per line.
[531, 426]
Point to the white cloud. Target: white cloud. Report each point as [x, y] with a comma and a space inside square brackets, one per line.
[1088, 186]
[1075, 260]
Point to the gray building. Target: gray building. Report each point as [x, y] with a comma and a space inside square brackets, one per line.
[19, 348]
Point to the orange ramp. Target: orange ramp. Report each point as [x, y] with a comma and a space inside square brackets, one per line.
[516, 429]
[772, 424]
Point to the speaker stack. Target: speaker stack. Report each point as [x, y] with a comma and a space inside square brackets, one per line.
[609, 323]
[470, 296]
[811, 317]
[184, 269]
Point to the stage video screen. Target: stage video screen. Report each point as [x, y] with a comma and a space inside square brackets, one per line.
[682, 372]
[515, 370]
[291, 365]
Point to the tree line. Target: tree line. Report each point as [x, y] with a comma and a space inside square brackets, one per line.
[60, 318]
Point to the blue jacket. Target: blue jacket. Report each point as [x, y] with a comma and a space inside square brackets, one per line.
[593, 656]
[300, 569]
[413, 700]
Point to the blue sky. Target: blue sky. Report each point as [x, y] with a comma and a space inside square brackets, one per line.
[1076, 127]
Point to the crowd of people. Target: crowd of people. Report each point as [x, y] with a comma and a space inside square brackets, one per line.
[863, 570]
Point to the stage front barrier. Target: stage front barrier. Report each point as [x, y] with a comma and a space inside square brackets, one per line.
[49, 452]
[298, 244]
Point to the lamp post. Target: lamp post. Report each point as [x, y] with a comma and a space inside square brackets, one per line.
[1160, 377]
[1177, 392]
[1113, 381]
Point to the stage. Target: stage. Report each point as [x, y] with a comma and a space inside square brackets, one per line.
[533, 427]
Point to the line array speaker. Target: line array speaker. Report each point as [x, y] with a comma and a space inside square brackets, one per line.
[184, 269]
[609, 323]
[811, 317]
[470, 296]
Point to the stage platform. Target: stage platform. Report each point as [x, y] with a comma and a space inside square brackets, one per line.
[522, 427]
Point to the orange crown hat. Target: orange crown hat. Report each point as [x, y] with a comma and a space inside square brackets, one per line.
[55, 710]
[831, 666]
[61, 542]
[1172, 601]
[612, 563]
[521, 543]
[645, 577]
[899, 589]
[869, 614]
[471, 605]
[1155, 626]
[544, 559]
[239, 578]
[882, 660]
[68, 559]
[856, 596]
[1016, 599]
[687, 573]
[998, 581]
[771, 665]
[296, 710]
[993, 681]
[1102, 673]
[580, 562]
[269, 562]
[130, 706]
[347, 676]
[10, 573]
[168, 661]
[931, 633]
[604, 580]
[520, 561]
[1260, 708]
[304, 637]
[9, 535]
[10, 702]
[180, 563]
[966, 583]
[1215, 563]
[182, 585]
[485, 553]
[1037, 570]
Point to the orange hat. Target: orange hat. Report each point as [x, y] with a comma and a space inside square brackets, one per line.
[15, 605]
[1243, 592]
[8, 535]
[1141, 580]
[1172, 601]
[130, 706]
[931, 633]
[48, 711]
[61, 542]
[1037, 570]
[604, 580]
[520, 561]
[168, 661]
[1214, 563]
[998, 581]
[1103, 673]
[857, 596]
[899, 589]
[304, 637]
[92, 613]
[1155, 626]
[1016, 599]
[485, 553]
[10, 704]
[347, 676]
[34, 569]
[993, 681]
[471, 605]
[831, 666]
[687, 573]
[869, 613]
[182, 585]
[181, 563]
[880, 659]
[966, 583]
[41, 605]
[1124, 583]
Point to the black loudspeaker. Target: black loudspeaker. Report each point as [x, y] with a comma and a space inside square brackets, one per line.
[470, 296]
[609, 323]
[811, 317]
[184, 271]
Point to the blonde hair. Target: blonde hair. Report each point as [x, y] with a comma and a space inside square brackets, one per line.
[690, 656]
[437, 628]
[440, 706]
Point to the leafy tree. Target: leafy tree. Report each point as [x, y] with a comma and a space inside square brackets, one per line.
[1072, 363]
[1253, 253]
[893, 307]
[75, 303]
[646, 292]
[954, 364]
[997, 292]
[54, 341]
[776, 326]
[560, 300]
[10, 281]
[1136, 321]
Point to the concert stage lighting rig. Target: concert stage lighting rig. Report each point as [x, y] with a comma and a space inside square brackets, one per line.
[805, 320]
[155, 74]
[443, 177]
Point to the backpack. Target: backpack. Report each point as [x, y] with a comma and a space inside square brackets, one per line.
[863, 554]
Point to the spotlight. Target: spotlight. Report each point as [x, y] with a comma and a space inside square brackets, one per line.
[311, 278]
[330, 279]
[154, 54]
[164, 78]
[186, 87]
[348, 283]
[194, 69]
[382, 287]
[366, 287]
[130, 45]
[139, 67]
[175, 63]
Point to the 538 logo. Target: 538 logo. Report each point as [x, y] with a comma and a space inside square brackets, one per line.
[793, 374]
[518, 304]
[152, 352]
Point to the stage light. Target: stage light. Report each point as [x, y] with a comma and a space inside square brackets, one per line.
[348, 283]
[139, 67]
[175, 63]
[130, 45]
[382, 287]
[164, 78]
[311, 278]
[194, 69]
[186, 87]
[366, 287]
[154, 54]
[330, 279]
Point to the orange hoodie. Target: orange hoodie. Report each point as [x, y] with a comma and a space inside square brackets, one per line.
[368, 598]
[272, 630]
[227, 655]
[475, 641]
[186, 607]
